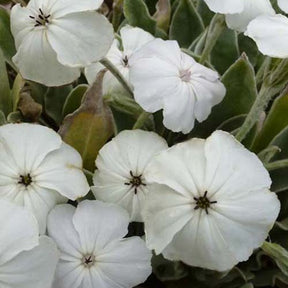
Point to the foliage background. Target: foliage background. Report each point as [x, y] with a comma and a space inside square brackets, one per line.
[86, 122]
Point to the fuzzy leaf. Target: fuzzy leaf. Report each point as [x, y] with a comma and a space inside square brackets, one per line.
[186, 24]
[90, 126]
[18, 85]
[137, 14]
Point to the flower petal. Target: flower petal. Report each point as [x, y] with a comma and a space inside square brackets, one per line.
[36, 142]
[19, 231]
[225, 6]
[62, 171]
[99, 223]
[271, 40]
[283, 4]
[37, 61]
[89, 35]
[252, 9]
[34, 268]
[125, 263]
[61, 229]
[165, 213]
[170, 168]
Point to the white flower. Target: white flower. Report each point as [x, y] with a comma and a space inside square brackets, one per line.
[240, 12]
[93, 250]
[211, 205]
[165, 78]
[55, 37]
[121, 174]
[283, 4]
[26, 260]
[133, 38]
[37, 169]
[270, 34]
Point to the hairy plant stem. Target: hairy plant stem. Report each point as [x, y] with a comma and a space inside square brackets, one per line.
[277, 165]
[141, 120]
[113, 69]
[216, 27]
[87, 172]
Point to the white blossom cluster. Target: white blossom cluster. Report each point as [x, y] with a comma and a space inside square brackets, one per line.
[205, 202]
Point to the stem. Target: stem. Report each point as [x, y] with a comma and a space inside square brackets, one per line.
[216, 27]
[141, 120]
[87, 172]
[258, 107]
[113, 69]
[277, 165]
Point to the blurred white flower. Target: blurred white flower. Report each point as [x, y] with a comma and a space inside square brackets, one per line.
[55, 37]
[120, 177]
[121, 55]
[93, 250]
[283, 4]
[165, 78]
[270, 34]
[37, 169]
[240, 12]
[211, 204]
[26, 260]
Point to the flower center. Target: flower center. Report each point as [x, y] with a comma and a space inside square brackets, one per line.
[125, 61]
[41, 19]
[88, 260]
[203, 202]
[25, 180]
[135, 182]
[185, 75]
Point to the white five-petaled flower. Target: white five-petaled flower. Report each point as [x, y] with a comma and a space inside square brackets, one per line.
[121, 174]
[165, 78]
[132, 39]
[26, 260]
[240, 12]
[54, 38]
[37, 169]
[270, 34]
[93, 250]
[210, 205]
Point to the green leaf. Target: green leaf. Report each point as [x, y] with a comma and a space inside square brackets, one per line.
[226, 51]
[137, 14]
[276, 121]
[205, 13]
[239, 81]
[18, 85]
[90, 126]
[278, 254]
[247, 285]
[54, 102]
[6, 39]
[5, 98]
[249, 47]
[73, 100]
[186, 24]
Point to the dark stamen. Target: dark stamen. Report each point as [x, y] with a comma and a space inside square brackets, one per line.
[135, 182]
[26, 180]
[203, 202]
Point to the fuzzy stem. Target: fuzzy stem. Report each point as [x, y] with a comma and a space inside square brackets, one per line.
[277, 165]
[113, 69]
[216, 27]
[141, 120]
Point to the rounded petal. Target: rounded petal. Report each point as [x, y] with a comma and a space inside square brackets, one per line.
[62, 171]
[252, 9]
[34, 268]
[89, 35]
[37, 61]
[125, 263]
[228, 164]
[181, 167]
[225, 6]
[59, 8]
[133, 38]
[99, 223]
[283, 4]
[36, 142]
[270, 34]
[19, 231]
[60, 227]
[165, 213]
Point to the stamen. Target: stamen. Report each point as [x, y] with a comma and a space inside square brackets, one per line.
[41, 19]
[135, 182]
[88, 260]
[125, 61]
[185, 75]
[203, 202]
[26, 180]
